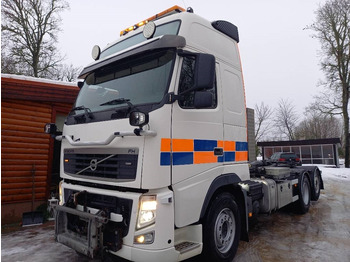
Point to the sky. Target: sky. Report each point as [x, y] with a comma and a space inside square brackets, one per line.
[279, 57]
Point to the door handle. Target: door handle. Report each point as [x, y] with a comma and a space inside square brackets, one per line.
[218, 151]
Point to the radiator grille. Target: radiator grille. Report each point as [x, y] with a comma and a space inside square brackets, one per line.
[109, 166]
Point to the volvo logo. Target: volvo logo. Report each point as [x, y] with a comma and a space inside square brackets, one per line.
[93, 164]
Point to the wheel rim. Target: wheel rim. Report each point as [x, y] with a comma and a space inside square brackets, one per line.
[306, 192]
[317, 182]
[225, 229]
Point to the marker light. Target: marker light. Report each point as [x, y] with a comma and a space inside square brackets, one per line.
[149, 30]
[174, 9]
[60, 193]
[95, 53]
[147, 211]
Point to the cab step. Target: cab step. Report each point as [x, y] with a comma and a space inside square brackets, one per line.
[186, 246]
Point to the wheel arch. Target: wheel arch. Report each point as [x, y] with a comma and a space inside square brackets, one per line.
[228, 183]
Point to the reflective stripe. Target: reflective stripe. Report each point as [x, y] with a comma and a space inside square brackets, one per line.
[229, 146]
[183, 145]
[204, 157]
[165, 145]
[199, 151]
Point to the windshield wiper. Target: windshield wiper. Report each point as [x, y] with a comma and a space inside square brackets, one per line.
[87, 111]
[118, 101]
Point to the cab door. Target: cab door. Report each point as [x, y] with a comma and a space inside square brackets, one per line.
[197, 145]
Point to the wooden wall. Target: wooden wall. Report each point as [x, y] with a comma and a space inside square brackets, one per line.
[25, 150]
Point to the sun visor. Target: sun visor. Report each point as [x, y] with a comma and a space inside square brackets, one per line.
[165, 41]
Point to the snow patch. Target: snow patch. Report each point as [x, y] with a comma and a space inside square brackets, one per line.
[335, 173]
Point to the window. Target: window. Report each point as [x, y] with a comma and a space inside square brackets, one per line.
[296, 150]
[305, 152]
[137, 80]
[316, 152]
[268, 151]
[328, 151]
[286, 149]
[165, 29]
[187, 82]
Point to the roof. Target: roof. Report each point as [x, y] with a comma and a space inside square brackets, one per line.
[37, 89]
[323, 141]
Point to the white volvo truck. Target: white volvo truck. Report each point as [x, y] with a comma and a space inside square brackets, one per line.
[154, 160]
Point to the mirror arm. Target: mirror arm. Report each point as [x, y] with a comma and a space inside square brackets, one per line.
[171, 97]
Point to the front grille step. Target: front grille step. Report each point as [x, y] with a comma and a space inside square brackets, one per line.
[184, 247]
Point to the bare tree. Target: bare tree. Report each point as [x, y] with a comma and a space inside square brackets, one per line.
[286, 118]
[67, 73]
[263, 124]
[30, 29]
[317, 125]
[332, 28]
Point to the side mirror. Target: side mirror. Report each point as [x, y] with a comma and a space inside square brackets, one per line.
[204, 71]
[203, 99]
[80, 84]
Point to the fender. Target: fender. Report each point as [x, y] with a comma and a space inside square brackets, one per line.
[229, 182]
[311, 171]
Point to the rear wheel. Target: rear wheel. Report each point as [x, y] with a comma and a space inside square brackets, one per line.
[221, 231]
[317, 185]
[303, 203]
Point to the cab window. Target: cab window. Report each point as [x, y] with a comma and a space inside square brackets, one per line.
[187, 82]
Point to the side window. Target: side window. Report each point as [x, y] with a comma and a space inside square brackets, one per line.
[187, 82]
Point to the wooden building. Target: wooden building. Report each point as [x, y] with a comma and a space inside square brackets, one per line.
[27, 153]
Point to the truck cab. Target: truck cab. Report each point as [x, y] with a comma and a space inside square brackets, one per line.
[154, 152]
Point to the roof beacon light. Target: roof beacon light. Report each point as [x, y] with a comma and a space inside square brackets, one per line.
[170, 11]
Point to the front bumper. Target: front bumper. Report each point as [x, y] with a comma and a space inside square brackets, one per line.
[88, 243]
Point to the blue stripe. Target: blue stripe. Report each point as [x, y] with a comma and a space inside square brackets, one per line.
[185, 158]
[241, 146]
[229, 156]
[165, 159]
[205, 145]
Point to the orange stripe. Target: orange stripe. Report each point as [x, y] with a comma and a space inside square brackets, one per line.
[165, 145]
[183, 145]
[241, 156]
[204, 157]
[229, 146]
[221, 143]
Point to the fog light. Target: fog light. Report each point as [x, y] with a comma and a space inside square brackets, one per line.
[147, 238]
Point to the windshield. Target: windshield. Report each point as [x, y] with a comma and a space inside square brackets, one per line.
[134, 81]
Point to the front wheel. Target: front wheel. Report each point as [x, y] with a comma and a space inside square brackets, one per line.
[221, 230]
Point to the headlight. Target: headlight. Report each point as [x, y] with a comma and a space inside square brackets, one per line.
[147, 211]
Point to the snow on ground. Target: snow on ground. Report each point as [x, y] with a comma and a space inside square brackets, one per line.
[335, 173]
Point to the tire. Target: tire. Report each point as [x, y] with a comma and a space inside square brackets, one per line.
[221, 229]
[303, 203]
[316, 189]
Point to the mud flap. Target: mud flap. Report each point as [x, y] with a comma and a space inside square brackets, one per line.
[84, 234]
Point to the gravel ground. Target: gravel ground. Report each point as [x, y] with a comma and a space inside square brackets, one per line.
[323, 234]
